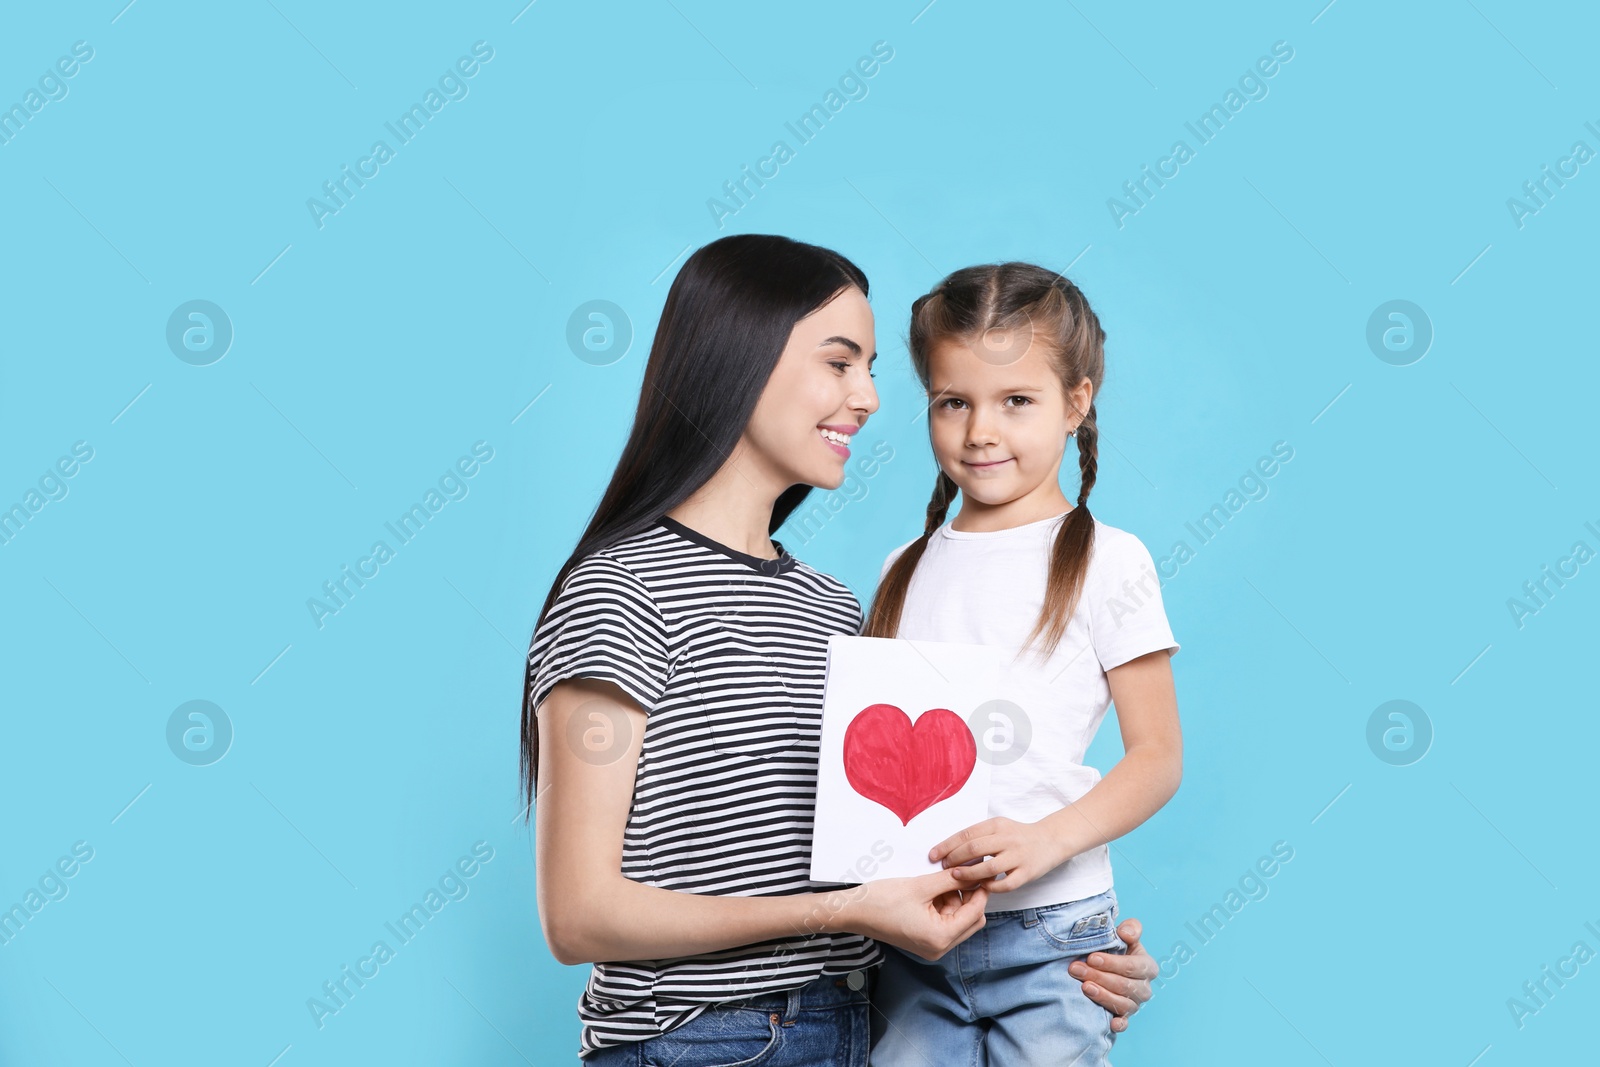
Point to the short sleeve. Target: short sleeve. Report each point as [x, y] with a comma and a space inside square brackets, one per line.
[1127, 618]
[603, 624]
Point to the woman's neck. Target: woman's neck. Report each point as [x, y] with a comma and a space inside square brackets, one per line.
[738, 520]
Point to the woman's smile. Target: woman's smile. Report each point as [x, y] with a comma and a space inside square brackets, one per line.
[837, 438]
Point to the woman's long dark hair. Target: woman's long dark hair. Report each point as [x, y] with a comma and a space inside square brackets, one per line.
[726, 321]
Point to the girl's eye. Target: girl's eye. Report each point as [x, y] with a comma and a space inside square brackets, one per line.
[953, 400]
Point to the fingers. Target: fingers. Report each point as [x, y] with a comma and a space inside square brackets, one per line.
[938, 851]
[976, 872]
[939, 882]
[947, 904]
[1118, 982]
[974, 848]
[976, 899]
[1142, 966]
[1115, 1003]
[1113, 983]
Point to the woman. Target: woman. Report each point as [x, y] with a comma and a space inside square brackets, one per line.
[672, 704]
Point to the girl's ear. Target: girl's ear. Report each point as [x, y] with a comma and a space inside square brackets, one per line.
[1085, 393]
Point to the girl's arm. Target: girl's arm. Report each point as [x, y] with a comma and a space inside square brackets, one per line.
[1143, 780]
[590, 736]
[1151, 766]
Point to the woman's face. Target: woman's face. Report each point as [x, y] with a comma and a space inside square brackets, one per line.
[822, 382]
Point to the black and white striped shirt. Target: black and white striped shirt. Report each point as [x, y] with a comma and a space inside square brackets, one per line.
[727, 652]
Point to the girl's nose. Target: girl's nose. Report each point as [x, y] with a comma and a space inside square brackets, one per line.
[981, 431]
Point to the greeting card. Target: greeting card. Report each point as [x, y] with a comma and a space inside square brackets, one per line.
[899, 768]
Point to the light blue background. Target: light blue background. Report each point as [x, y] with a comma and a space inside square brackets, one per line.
[369, 754]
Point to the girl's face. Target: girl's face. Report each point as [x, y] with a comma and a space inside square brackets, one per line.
[999, 426]
[823, 381]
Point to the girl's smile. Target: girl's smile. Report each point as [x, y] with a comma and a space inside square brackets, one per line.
[982, 407]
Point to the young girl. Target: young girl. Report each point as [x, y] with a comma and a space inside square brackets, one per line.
[1012, 357]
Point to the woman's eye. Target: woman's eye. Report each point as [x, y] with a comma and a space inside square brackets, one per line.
[845, 366]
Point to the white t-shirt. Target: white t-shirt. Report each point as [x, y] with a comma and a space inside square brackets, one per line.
[988, 588]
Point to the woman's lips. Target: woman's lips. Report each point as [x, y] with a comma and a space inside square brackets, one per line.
[836, 446]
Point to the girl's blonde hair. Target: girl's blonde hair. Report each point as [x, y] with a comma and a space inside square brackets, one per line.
[1030, 305]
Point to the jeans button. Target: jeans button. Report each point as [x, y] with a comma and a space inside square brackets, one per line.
[856, 979]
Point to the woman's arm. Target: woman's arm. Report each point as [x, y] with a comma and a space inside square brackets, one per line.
[590, 736]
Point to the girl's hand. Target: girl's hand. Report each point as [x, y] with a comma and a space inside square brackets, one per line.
[1022, 851]
[925, 915]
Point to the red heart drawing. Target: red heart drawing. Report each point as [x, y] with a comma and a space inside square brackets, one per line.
[907, 768]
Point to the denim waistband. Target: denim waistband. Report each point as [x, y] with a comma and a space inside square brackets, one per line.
[824, 991]
[1029, 916]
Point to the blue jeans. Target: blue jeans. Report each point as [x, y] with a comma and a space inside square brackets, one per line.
[1001, 997]
[819, 1024]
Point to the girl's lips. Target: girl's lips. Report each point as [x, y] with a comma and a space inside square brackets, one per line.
[986, 466]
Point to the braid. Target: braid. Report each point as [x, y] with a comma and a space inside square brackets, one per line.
[1088, 454]
[944, 491]
[884, 618]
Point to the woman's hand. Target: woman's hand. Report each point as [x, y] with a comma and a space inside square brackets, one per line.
[1118, 983]
[924, 915]
[1021, 851]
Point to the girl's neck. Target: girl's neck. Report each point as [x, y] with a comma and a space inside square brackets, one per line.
[978, 517]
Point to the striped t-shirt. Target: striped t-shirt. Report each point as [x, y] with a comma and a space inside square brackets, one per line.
[727, 652]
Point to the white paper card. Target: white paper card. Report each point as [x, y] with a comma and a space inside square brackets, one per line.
[890, 785]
